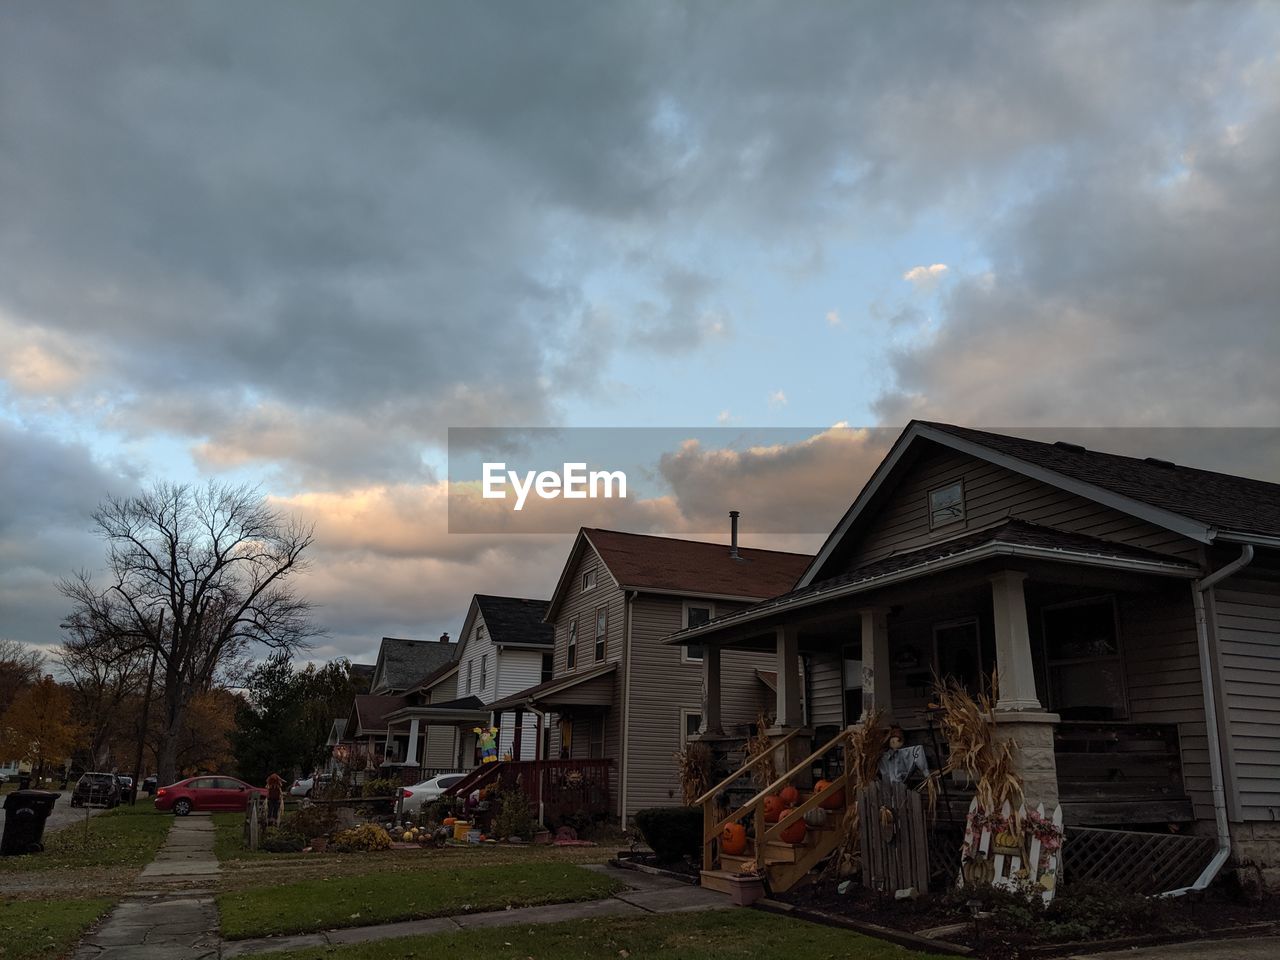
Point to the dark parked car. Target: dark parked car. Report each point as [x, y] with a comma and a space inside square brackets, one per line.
[96, 790]
[207, 793]
[149, 785]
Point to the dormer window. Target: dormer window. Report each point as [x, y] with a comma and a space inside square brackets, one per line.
[946, 505]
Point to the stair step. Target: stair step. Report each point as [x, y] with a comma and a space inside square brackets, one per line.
[719, 880]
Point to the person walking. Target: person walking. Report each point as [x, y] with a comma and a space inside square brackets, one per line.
[275, 799]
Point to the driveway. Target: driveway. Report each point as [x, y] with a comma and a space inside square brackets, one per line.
[64, 814]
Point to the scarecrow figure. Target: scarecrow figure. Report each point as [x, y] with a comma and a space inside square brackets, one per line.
[488, 745]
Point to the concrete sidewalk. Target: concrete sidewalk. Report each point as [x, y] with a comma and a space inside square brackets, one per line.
[1252, 948]
[646, 895]
[160, 924]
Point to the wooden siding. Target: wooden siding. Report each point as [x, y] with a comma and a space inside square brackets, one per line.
[1247, 615]
[824, 689]
[991, 494]
[663, 685]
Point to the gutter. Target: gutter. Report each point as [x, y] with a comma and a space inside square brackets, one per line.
[1198, 590]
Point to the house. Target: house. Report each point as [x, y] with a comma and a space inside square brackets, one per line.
[1130, 606]
[505, 647]
[619, 701]
[402, 663]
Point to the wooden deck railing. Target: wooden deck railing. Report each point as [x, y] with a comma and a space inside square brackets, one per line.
[553, 788]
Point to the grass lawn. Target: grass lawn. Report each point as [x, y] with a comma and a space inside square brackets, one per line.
[718, 935]
[360, 900]
[125, 836]
[39, 929]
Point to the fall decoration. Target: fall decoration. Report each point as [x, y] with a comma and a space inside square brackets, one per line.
[794, 832]
[733, 839]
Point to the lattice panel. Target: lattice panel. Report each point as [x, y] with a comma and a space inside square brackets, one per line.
[1146, 863]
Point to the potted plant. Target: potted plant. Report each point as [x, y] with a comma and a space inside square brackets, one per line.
[747, 884]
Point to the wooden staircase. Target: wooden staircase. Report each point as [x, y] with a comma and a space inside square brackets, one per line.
[782, 864]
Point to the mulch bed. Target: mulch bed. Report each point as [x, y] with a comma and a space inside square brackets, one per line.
[1215, 914]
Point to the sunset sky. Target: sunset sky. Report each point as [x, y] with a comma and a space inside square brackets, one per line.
[292, 244]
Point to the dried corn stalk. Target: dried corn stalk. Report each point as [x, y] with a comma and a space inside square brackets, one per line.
[694, 766]
[867, 743]
[758, 745]
[969, 727]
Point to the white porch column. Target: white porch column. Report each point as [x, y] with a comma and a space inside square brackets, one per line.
[1016, 675]
[711, 723]
[788, 650]
[875, 661]
[411, 751]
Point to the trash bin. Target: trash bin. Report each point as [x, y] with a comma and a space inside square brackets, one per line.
[25, 812]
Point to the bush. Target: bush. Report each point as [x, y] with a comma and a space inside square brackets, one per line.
[314, 820]
[281, 840]
[367, 836]
[672, 832]
[382, 787]
[512, 819]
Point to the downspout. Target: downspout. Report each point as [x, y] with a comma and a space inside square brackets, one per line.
[1198, 590]
[537, 755]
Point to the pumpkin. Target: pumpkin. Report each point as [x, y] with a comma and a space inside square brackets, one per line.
[789, 795]
[817, 817]
[772, 808]
[449, 821]
[794, 833]
[833, 801]
[733, 840]
[408, 835]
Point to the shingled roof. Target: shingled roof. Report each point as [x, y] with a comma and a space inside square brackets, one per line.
[516, 620]
[643, 562]
[1218, 500]
[402, 663]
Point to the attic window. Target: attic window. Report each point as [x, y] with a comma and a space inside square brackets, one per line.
[589, 579]
[946, 505]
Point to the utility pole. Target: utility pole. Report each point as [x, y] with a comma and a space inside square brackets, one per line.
[146, 710]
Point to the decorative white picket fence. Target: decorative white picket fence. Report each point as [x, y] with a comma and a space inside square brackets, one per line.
[1012, 849]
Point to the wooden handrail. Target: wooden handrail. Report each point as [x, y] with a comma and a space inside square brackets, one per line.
[745, 767]
[759, 798]
[839, 783]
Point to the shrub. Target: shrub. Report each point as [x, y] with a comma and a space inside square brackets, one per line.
[672, 832]
[381, 787]
[315, 820]
[367, 836]
[512, 818]
[281, 840]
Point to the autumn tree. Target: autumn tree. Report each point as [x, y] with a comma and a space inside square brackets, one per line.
[38, 727]
[106, 680]
[20, 668]
[197, 577]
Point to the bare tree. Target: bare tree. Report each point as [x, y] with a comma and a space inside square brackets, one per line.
[19, 668]
[104, 675]
[198, 577]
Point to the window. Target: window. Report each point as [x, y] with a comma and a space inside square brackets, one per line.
[690, 724]
[548, 667]
[484, 671]
[572, 657]
[958, 653]
[588, 579]
[595, 739]
[695, 615]
[1082, 653]
[946, 505]
[602, 631]
[471, 669]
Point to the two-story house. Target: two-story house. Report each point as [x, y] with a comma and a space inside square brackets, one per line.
[615, 691]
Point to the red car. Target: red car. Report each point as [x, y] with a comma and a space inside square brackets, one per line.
[206, 793]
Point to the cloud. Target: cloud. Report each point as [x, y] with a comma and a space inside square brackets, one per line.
[925, 279]
[777, 398]
[833, 318]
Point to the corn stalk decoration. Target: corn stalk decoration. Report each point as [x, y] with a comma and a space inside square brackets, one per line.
[694, 766]
[867, 742]
[759, 745]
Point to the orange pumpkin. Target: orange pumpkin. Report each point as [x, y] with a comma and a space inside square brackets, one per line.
[772, 808]
[789, 795]
[733, 840]
[833, 801]
[794, 833]
[449, 821]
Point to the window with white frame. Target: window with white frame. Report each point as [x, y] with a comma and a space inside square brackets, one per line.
[484, 671]
[690, 723]
[602, 632]
[695, 615]
[946, 505]
[471, 669]
[572, 656]
[588, 579]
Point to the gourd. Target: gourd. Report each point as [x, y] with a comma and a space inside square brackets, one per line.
[794, 833]
[449, 821]
[817, 817]
[789, 795]
[772, 808]
[833, 801]
[408, 836]
[733, 840]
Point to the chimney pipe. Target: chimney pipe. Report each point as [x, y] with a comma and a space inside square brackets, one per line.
[733, 534]
[444, 637]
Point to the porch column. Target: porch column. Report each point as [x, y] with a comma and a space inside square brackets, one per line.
[711, 723]
[788, 650]
[411, 751]
[1015, 672]
[875, 662]
[517, 734]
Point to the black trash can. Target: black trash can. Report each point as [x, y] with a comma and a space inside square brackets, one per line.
[25, 812]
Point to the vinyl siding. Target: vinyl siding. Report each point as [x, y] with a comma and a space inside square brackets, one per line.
[441, 747]
[518, 670]
[1247, 614]
[824, 684]
[662, 685]
[992, 494]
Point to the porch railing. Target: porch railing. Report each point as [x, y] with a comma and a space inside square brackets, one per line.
[553, 788]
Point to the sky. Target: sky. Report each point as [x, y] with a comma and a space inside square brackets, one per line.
[292, 244]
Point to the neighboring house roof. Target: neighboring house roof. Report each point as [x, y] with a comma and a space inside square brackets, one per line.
[1012, 537]
[464, 709]
[402, 663]
[336, 731]
[639, 561]
[1198, 504]
[515, 620]
[369, 713]
[435, 677]
[559, 689]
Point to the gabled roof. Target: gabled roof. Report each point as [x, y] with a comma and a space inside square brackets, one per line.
[435, 677]
[369, 714]
[556, 685]
[639, 561]
[1011, 537]
[515, 620]
[401, 663]
[1198, 504]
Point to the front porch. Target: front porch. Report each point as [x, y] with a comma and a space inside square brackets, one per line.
[424, 741]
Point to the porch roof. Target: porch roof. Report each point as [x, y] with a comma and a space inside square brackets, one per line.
[464, 710]
[590, 687]
[1009, 538]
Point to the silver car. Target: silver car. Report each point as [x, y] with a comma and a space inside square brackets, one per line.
[412, 798]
